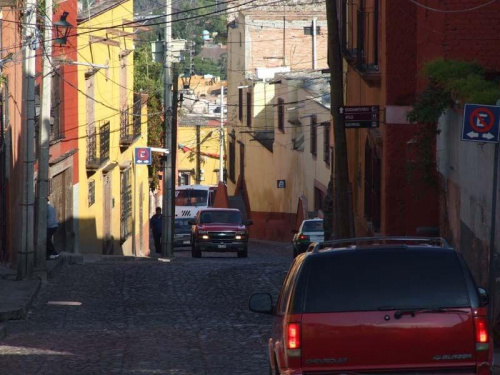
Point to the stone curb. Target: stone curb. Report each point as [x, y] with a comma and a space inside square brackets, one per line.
[126, 258]
[21, 311]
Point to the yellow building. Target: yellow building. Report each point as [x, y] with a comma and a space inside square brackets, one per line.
[112, 209]
[198, 140]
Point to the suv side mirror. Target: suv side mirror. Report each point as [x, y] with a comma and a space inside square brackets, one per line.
[261, 303]
[483, 295]
[249, 222]
[192, 222]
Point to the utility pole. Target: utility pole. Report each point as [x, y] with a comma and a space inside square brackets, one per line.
[167, 219]
[221, 145]
[44, 143]
[25, 251]
[198, 152]
[343, 217]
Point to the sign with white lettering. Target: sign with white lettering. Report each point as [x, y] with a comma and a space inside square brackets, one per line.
[356, 117]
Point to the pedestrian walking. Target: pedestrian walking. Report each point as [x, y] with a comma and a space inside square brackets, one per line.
[52, 225]
[155, 224]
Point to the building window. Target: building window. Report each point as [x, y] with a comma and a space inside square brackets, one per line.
[137, 114]
[184, 177]
[372, 186]
[326, 142]
[126, 204]
[281, 115]
[240, 104]
[91, 192]
[249, 109]
[104, 141]
[319, 197]
[360, 34]
[232, 175]
[308, 30]
[314, 130]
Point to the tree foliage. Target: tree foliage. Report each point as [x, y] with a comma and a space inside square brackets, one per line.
[449, 81]
[148, 78]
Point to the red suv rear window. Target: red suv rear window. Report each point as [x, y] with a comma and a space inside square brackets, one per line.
[371, 279]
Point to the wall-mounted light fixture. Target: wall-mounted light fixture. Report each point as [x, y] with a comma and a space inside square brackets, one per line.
[186, 79]
[63, 29]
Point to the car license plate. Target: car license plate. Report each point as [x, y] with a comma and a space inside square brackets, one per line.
[222, 246]
[186, 242]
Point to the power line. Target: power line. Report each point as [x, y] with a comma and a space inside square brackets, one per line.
[452, 11]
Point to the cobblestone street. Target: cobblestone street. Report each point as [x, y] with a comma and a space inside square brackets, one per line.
[188, 316]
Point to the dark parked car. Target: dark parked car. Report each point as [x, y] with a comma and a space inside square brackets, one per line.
[220, 230]
[182, 233]
[379, 305]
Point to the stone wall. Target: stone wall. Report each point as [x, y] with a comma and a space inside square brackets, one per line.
[275, 7]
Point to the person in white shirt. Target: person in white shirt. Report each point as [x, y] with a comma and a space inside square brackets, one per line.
[52, 225]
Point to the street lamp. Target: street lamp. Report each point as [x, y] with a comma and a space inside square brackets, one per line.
[186, 79]
[63, 28]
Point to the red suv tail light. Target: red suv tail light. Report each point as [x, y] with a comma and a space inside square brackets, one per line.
[293, 336]
[303, 237]
[482, 335]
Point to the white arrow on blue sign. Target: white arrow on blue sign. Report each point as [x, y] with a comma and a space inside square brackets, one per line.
[481, 123]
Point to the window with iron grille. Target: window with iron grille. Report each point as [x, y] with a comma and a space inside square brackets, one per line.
[326, 142]
[104, 141]
[232, 175]
[126, 204]
[314, 130]
[240, 104]
[124, 124]
[137, 115]
[281, 115]
[249, 109]
[91, 192]
[91, 145]
[359, 23]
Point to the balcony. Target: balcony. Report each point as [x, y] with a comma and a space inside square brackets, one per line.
[97, 145]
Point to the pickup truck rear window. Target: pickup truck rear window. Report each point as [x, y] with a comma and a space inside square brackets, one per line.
[367, 280]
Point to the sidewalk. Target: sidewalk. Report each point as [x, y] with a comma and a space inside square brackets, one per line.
[17, 296]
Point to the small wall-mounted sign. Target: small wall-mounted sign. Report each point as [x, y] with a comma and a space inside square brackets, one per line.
[143, 155]
[281, 184]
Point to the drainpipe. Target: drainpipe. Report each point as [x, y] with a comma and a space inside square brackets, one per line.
[314, 43]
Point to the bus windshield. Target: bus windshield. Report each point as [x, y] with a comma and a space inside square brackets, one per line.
[191, 197]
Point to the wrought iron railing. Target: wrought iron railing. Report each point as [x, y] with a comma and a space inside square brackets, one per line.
[126, 205]
[97, 144]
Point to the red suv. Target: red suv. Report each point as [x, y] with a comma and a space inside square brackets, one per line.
[221, 230]
[378, 305]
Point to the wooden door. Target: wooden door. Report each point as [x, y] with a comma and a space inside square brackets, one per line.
[107, 242]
